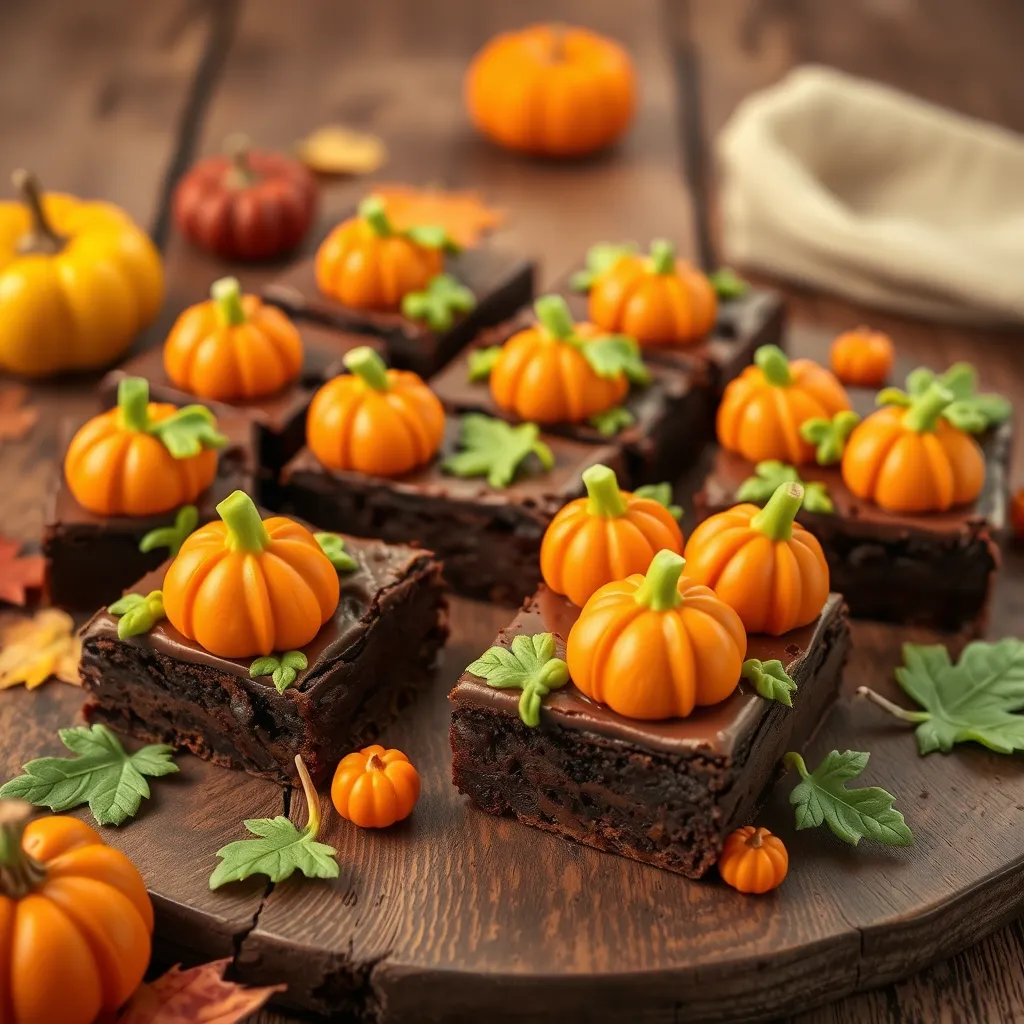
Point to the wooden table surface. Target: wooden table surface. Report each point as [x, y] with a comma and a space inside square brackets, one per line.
[114, 99]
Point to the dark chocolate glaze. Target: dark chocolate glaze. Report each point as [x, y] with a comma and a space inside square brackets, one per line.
[720, 730]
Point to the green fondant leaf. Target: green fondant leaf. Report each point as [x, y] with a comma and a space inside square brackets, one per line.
[438, 303]
[495, 449]
[614, 355]
[333, 546]
[770, 474]
[138, 614]
[770, 679]
[172, 537]
[829, 436]
[600, 257]
[728, 284]
[481, 362]
[611, 421]
[188, 431]
[662, 494]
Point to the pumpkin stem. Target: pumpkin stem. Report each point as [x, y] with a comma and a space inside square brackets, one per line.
[41, 239]
[19, 873]
[372, 210]
[553, 313]
[775, 520]
[368, 366]
[241, 174]
[374, 764]
[660, 588]
[663, 256]
[756, 838]
[603, 491]
[133, 403]
[227, 296]
[923, 415]
[312, 798]
[772, 362]
[246, 531]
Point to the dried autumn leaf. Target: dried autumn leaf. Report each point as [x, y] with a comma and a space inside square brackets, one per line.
[16, 418]
[196, 996]
[18, 575]
[464, 215]
[337, 150]
[36, 649]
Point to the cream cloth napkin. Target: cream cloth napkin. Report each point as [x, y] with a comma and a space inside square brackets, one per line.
[877, 196]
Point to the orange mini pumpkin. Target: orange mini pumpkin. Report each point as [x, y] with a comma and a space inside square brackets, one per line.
[75, 921]
[606, 536]
[912, 459]
[753, 860]
[365, 264]
[762, 564]
[656, 299]
[142, 458]
[542, 374]
[656, 646]
[243, 587]
[763, 409]
[375, 787]
[862, 357]
[374, 420]
[551, 90]
[232, 347]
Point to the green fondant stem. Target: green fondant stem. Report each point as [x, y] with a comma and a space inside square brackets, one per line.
[924, 412]
[371, 209]
[133, 403]
[775, 520]
[246, 531]
[553, 313]
[663, 256]
[659, 590]
[772, 362]
[603, 491]
[227, 296]
[368, 367]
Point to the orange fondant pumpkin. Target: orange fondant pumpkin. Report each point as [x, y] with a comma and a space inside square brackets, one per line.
[657, 646]
[119, 463]
[364, 263]
[656, 299]
[762, 564]
[763, 409]
[375, 787]
[912, 459]
[753, 860]
[232, 347]
[75, 921]
[542, 374]
[243, 587]
[606, 536]
[374, 420]
[862, 358]
[551, 90]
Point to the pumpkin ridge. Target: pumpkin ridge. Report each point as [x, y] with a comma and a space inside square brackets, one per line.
[678, 642]
[351, 408]
[258, 607]
[795, 444]
[621, 621]
[415, 428]
[786, 589]
[194, 583]
[121, 443]
[722, 547]
[943, 474]
[300, 584]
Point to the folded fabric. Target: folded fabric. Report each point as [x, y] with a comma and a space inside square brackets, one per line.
[864, 191]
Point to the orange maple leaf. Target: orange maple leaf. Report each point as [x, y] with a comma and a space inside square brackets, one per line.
[464, 215]
[18, 575]
[16, 418]
[196, 996]
[38, 648]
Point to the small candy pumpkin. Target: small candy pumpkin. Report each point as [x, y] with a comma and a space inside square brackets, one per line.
[75, 921]
[657, 646]
[763, 409]
[232, 347]
[247, 205]
[365, 264]
[913, 460]
[374, 420]
[551, 90]
[244, 587]
[78, 281]
[375, 787]
[606, 536]
[753, 860]
[656, 299]
[762, 564]
[142, 458]
[543, 376]
[862, 357]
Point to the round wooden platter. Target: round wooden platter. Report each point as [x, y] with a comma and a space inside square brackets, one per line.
[455, 915]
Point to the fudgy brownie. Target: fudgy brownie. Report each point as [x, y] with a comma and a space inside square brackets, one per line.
[489, 539]
[933, 569]
[501, 282]
[665, 793]
[280, 419]
[90, 559]
[365, 664]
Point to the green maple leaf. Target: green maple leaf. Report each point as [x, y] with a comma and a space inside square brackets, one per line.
[768, 475]
[529, 665]
[481, 362]
[279, 849]
[770, 679]
[283, 671]
[495, 449]
[662, 494]
[172, 537]
[438, 303]
[978, 699]
[333, 546]
[103, 775]
[728, 284]
[188, 431]
[611, 421]
[600, 257]
[615, 354]
[829, 436]
[138, 614]
[852, 814]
